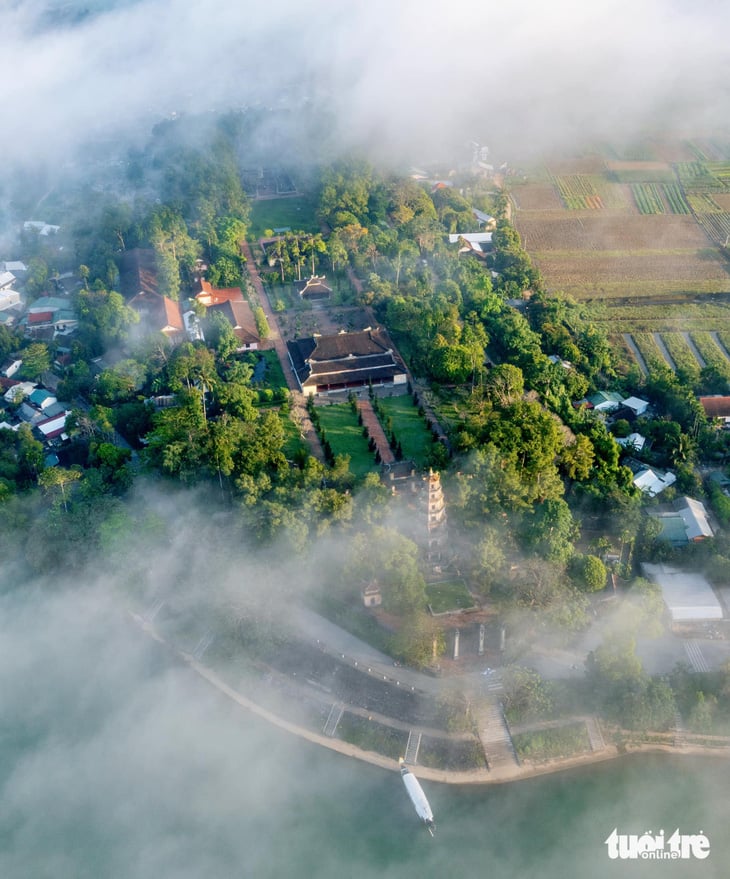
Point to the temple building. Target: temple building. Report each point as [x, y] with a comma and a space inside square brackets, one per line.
[323, 364]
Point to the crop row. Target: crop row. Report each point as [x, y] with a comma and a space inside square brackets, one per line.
[697, 176]
[648, 198]
[675, 198]
[711, 354]
[724, 337]
[681, 354]
[649, 351]
[721, 170]
[578, 192]
[717, 226]
[665, 317]
[703, 203]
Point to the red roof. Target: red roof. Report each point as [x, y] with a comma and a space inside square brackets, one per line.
[40, 317]
[210, 295]
[716, 407]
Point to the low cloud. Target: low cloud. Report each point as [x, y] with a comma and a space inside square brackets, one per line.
[399, 80]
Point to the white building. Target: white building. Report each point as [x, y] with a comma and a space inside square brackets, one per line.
[636, 404]
[652, 482]
[688, 597]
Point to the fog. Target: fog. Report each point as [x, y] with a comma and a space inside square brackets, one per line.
[116, 760]
[405, 79]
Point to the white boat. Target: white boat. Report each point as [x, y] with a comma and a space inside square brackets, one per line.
[418, 797]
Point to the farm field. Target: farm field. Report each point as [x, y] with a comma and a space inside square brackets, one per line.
[630, 273]
[643, 221]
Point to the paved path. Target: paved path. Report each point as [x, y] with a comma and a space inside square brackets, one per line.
[278, 343]
[716, 337]
[375, 430]
[629, 339]
[494, 733]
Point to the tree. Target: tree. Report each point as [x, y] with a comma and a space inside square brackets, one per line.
[336, 250]
[36, 361]
[58, 477]
[527, 696]
[549, 530]
[589, 572]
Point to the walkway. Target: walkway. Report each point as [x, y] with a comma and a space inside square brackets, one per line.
[375, 430]
[279, 345]
[494, 733]
[629, 339]
[693, 348]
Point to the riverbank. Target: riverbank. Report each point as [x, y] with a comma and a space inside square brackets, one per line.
[478, 776]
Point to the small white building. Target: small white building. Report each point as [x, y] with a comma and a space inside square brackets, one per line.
[7, 279]
[689, 597]
[478, 241]
[9, 298]
[653, 482]
[694, 516]
[636, 404]
[633, 442]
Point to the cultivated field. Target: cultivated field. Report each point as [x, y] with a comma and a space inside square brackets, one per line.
[629, 229]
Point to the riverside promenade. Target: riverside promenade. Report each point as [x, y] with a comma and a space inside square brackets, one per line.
[504, 772]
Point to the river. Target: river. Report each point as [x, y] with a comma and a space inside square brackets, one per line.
[117, 763]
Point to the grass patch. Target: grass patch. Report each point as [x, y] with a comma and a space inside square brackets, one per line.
[372, 736]
[448, 595]
[409, 427]
[298, 213]
[293, 442]
[267, 369]
[345, 436]
[551, 743]
[451, 754]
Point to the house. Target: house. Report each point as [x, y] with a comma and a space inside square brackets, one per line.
[346, 360]
[478, 243]
[636, 405]
[239, 315]
[9, 298]
[689, 597]
[159, 314]
[633, 442]
[555, 360]
[694, 516]
[137, 272]
[210, 295]
[41, 227]
[54, 427]
[716, 406]
[13, 265]
[686, 524]
[653, 482]
[10, 367]
[41, 399]
[489, 222]
[18, 390]
[48, 317]
[7, 279]
[313, 288]
[371, 594]
[605, 401]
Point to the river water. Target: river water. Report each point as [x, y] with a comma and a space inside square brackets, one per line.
[116, 763]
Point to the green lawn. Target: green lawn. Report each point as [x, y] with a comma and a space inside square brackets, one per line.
[409, 427]
[293, 441]
[449, 595]
[345, 436]
[269, 376]
[299, 213]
